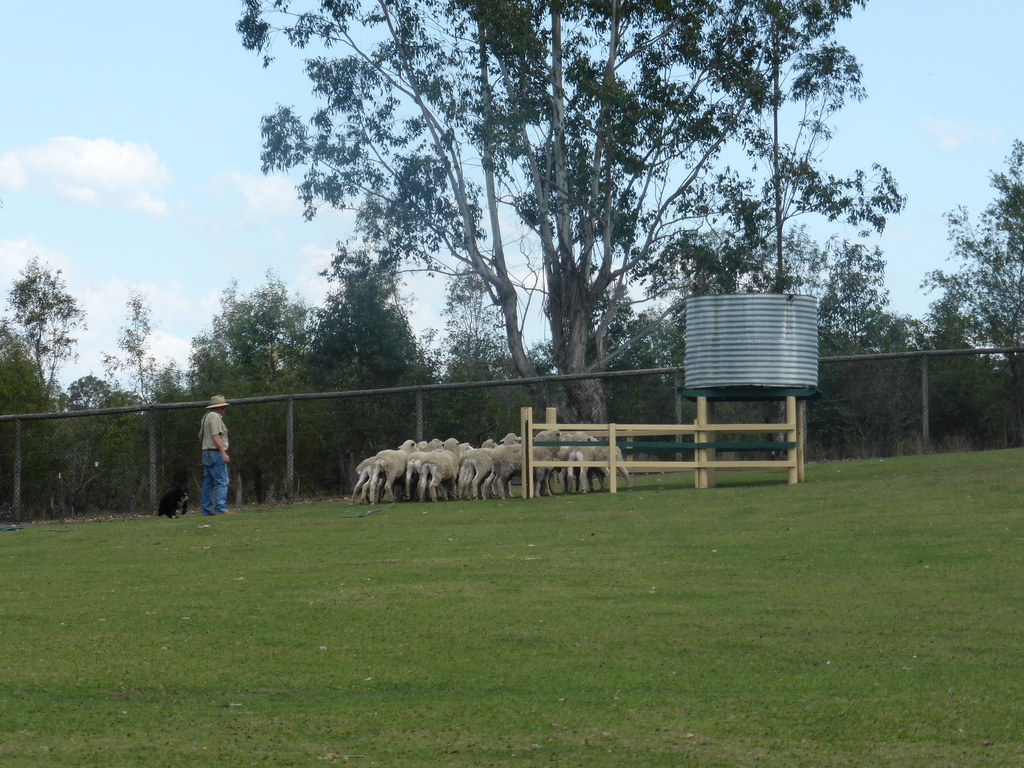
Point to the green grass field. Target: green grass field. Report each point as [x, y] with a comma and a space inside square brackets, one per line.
[869, 617]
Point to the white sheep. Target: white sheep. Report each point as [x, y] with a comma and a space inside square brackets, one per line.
[506, 463]
[596, 453]
[361, 491]
[439, 470]
[543, 475]
[412, 464]
[476, 467]
[390, 465]
[563, 455]
[465, 472]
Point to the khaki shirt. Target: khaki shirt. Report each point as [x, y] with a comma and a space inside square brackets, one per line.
[212, 425]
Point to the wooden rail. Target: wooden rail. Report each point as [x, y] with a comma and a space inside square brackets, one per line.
[704, 442]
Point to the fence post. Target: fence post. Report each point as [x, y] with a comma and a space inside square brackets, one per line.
[16, 501]
[289, 479]
[153, 497]
[925, 418]
[679, 408]
[613, 467]
[526, 451]
[802, 437]
[678, 397]
[419, 414]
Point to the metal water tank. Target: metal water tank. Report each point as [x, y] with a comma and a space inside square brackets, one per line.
[751, 340]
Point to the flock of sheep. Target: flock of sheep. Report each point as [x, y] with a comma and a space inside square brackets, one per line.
[450, 469]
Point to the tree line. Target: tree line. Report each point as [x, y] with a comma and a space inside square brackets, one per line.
[603, 160]
[268, 341]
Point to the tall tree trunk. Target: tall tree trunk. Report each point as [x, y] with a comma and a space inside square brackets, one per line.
[584, 402]
[780, 278]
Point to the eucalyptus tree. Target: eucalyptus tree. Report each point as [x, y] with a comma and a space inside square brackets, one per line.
[45, 315]
[361, 337]
[90, 392]
[136, 360]
[988, 283]
[848, 279]
[556, 149]
[475, 346]
[257, 344]
[20, 391]
[810, 85]
[981, 302]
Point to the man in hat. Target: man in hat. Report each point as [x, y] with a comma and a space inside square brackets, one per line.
[213, 433]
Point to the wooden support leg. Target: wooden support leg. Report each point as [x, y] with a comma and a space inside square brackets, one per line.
[792, 436]
[704, 475]
[801, 438]
[700, 477]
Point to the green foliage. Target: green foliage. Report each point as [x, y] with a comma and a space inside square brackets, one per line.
[169, 384]
[650, 340]
[868, 408]
[475, 348]
[89, 392]
[361, 337]
[20, 389]
[970, 403]
[861, 618]
[983, 299]
[84, 466]
[592, 135]
[45, 315]
[256, 345]
[133, 341]
[982, 302]
[848, 280]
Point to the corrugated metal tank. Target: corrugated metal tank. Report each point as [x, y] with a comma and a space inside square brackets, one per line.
[751, 340]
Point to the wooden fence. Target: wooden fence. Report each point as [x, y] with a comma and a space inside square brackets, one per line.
[710, 452]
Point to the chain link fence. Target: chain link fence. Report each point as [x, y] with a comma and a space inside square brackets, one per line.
[118, 461]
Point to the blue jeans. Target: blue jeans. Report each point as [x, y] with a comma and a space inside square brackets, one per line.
[215, 484]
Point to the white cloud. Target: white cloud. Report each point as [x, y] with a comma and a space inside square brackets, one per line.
[901, 234]
[261, 196]
[309, 284]
[77, 193]
[147, 203]
[424, 300]
[167, 348]
[949, 135]
[16, 254]
[91, 171]
[173, 313]
[12, 172]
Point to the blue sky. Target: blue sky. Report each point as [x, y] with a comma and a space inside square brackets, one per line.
[129, 153]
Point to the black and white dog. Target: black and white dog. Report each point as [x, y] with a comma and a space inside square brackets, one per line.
[174, 502]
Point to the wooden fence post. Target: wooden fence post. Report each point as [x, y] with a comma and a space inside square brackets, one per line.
[613, 464]
[526, 451]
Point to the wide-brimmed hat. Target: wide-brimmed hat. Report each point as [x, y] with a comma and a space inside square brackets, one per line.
[218, 401]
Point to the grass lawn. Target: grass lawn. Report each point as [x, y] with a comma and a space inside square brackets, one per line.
[869, 617]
